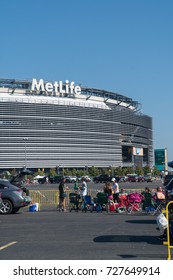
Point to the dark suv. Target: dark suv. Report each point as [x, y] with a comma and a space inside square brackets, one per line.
[103, 178]
[55, 179]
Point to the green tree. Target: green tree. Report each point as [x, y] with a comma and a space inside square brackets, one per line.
[73, 172]
[155, 171]
[52, 172]
[118, 171]
[129, 170]
[139, 171]
[146, 169]
[93, 171]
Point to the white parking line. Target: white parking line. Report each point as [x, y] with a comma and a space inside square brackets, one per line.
[7, 245]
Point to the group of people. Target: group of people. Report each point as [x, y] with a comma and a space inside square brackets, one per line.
[82, 188]
[112, 189]
[158, 195]
[149, 198]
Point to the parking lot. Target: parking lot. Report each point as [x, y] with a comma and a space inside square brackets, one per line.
[54, 235]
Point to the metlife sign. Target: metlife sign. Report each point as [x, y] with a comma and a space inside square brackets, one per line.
[55, 88]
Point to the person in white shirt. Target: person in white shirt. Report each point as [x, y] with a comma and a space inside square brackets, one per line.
[83, 188]
[116, 190]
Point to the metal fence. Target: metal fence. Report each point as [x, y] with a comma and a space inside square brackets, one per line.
[45, 197]
[51, 197]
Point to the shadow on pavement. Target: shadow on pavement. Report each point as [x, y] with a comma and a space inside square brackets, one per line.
[144, 256]
[142, 222]
[128, 238]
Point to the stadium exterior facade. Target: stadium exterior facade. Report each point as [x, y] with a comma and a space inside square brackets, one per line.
[44, 125]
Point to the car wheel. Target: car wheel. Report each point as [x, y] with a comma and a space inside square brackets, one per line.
[7, 207]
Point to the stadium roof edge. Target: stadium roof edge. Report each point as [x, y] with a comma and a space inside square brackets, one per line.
[84, 90]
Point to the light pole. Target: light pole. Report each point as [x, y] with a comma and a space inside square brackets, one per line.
[58, 169]
[110, 170]
[25, 139]
[86, 169]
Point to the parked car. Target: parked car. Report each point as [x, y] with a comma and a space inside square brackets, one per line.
[42, 180]
[70, 179]
[13, 193]
[55, 179]
[141, 179]
[132, 179]
[12, 197]
[135, 178]
[123, 179]
[148, 179]
[103, 178]
[169, 191]
[86, 178]
[1, 200]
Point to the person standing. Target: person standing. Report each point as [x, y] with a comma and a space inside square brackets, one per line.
[83, 188]
[76, 185]
[116, 190]
[62, 195]
[108, 189]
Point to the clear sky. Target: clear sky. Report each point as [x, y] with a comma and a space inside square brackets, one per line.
[125, 46]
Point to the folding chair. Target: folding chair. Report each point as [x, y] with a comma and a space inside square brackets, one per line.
[74, 201]
[101, 201]
[133, 203]
[159, 206]
[87, 204]
[148, 204]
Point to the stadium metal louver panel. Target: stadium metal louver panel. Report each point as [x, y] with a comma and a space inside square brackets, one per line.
[59, 134]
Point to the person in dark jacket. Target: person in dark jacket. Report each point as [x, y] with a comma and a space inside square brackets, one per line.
[62, 195]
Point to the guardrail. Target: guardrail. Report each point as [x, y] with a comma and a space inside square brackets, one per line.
[168, 242]
[50, 197]
[45, 197]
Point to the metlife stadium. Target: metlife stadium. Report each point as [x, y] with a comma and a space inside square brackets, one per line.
[49, 124]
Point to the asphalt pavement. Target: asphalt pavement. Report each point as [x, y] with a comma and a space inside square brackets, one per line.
[99, 186]
[53, 235]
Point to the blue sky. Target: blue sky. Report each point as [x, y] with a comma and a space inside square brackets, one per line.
[125, 46]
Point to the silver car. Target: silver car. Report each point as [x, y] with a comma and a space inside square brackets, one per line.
[13, 197]
[1, 200]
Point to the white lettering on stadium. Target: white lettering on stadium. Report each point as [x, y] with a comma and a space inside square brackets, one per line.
[55, 88]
